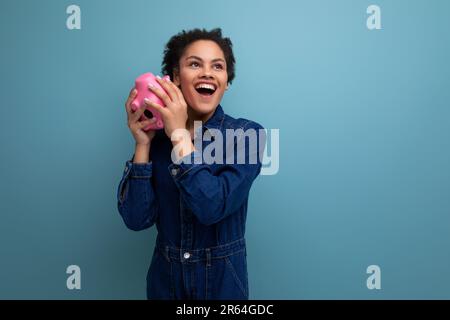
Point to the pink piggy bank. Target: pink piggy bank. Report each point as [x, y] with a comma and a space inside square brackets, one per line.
[141, 84]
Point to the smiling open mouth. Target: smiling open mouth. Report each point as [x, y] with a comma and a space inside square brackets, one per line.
[205, 91]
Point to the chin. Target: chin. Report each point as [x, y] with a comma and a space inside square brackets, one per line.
[204, 108]
[203, 105]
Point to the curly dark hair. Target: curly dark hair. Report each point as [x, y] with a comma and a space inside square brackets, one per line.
[178, 43]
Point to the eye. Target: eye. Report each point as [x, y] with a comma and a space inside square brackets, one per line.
[218, 66]
[193, 64]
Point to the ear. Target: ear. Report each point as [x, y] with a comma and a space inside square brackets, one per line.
[176, 77]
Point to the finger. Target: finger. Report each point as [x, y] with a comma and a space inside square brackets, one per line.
[169, 87]
[175, 89]
[130, 99]
[165, 96]
[147, 122]
[162, 110]
[137, 114]
[167, 90]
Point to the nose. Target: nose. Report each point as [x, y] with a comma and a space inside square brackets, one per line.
[206, 72]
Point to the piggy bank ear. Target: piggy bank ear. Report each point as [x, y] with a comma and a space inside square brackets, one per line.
[134, 105]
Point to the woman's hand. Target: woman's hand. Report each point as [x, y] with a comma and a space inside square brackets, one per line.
[174, 114]
[136, 126]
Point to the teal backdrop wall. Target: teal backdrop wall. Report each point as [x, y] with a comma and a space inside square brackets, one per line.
[364, 126]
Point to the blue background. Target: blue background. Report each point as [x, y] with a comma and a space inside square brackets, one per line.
[364, 125]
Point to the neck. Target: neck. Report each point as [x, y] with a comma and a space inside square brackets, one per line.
[194, 116]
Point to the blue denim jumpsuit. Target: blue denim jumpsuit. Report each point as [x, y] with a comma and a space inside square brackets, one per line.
[200, 212]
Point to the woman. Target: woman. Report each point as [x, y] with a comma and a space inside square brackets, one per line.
[199, 206]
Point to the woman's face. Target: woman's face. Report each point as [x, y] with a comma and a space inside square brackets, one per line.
[203, 76]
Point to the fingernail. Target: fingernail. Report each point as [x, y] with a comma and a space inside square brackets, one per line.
[146, 100]
[158, 77]
[151, 86]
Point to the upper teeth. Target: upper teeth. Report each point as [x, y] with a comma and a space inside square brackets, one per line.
[205, 86]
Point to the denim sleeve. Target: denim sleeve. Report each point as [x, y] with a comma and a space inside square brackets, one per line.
[135, 196]
[214, 196]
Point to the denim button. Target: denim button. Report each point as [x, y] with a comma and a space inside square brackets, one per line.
[174, 171]
[186, 255]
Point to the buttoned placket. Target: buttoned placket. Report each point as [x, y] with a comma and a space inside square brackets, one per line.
[186, 246]
[188, 268]
[188, 258]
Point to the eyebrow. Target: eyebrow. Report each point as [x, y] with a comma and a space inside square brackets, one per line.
[198, 58]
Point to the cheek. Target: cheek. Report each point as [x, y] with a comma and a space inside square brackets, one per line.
[186, 84]
[187, 89]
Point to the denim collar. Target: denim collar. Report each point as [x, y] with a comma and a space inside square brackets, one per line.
[216, 120]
